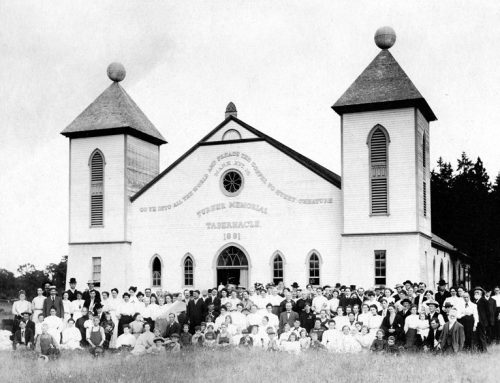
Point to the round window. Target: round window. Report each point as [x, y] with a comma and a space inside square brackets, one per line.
[231, 182]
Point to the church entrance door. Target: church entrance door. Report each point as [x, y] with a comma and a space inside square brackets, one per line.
[232, 267]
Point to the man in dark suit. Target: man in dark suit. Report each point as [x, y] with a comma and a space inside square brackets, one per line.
[483, 312]
[214, 299]
[91, 286]
[453, 336]
[173, 327]
[288, 316]
[211, 315]
[288, 300]
[23, 337]
[194, 311]
[72, 291]
[432, 341]
[53, 301]
[92, 301]
[80, 325]
[29, 323]
[442, 293]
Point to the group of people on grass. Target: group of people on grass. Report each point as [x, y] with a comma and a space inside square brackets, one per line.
[342, 319]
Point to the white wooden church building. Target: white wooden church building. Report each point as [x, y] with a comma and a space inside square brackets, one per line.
[241, 207]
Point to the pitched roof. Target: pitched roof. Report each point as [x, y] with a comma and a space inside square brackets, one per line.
[382, 85]
[439, 242]
[113, 112]
[320, 170]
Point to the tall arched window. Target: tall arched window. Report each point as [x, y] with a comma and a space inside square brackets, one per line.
[314, 269]
[441, 270]
[96, 188]
[156, 269]
[188, 271]
[378, 141]
[277, 269]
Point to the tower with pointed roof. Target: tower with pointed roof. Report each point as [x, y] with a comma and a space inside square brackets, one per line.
[385, 172]
[114, 152]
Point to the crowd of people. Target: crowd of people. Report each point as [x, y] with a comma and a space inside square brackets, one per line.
[341, 319]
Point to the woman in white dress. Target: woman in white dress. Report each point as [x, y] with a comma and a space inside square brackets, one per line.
[71, 336]
[365, 339]
[77, 306]
[55, 324]
[374, 320]
[67, 307]
[37, 304]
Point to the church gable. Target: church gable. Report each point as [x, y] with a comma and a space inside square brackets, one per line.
[231, 123]
[229, 131]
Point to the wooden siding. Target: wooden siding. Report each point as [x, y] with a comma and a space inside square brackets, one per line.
[423, 175]
[142, 164]
[112, 148]
[400, 125]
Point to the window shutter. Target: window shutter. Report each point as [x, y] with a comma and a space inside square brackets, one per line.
[97, 189]
[378, 178]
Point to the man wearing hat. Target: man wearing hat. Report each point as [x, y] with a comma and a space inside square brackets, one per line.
[53, 301]
[442, 293]
[433, 314]
[72, 291]
[91, 287]
[483, 313]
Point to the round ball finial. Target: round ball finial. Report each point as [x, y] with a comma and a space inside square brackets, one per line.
[385, 37]
[116, 72]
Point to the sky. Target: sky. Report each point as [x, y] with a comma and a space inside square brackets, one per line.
[283, 63]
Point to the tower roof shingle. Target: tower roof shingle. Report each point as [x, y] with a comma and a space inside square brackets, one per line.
[113, 112]
[382, 85]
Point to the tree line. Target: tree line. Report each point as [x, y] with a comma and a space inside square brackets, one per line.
[466, 212]
[29, 278]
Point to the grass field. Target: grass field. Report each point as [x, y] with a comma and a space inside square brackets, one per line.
[240, 366]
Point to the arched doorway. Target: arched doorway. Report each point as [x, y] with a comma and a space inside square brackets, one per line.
[232, 267]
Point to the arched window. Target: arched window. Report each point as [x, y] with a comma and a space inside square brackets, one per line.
[231, 134]
[232, 257]
[378, 141]
[314, 265]
[277, 269]
[188, 271]
[156, 269]
[96, 188]
[441, 270]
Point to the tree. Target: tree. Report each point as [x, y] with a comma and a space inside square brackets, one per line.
[30, 278]
[7, 284]
[57, 272]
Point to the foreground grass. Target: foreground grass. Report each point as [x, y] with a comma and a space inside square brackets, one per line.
[238, 366]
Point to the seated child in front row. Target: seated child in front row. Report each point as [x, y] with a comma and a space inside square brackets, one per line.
[379, 343]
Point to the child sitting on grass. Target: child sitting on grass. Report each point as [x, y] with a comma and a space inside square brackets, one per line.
[185, 338]
[173, 345]
[379, 343]
[197, 339]
[390, 347]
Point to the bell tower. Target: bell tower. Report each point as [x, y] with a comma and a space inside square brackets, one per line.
[385, 172]
[114, 151]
